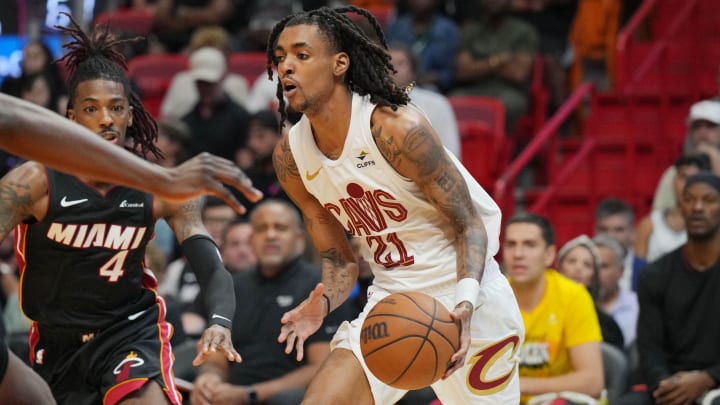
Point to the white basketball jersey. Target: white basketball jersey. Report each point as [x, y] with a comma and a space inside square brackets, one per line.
[409, 244]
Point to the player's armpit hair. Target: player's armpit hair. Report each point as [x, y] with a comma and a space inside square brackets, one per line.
[216, 284]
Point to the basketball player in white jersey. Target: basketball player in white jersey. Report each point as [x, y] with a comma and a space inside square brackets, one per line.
[362, 161]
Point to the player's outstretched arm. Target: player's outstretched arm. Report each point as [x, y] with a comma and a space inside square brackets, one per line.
[39, 134]
[216, 284]
[339, 265]
[411, 146]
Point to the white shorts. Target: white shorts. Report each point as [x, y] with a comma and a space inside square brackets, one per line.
[490, 374]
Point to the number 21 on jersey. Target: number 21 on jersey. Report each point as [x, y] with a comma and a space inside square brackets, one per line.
[389, 251]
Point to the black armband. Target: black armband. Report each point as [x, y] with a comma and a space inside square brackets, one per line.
[216, 284]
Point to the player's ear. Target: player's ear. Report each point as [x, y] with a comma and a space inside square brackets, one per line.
[342, 63]
[70, 114]
[130, 111]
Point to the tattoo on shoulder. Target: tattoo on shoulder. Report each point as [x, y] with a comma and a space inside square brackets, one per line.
[386, 145]
[419, 147]
[15, 199]
[284, 162]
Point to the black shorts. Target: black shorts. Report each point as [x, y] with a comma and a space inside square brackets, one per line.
[102, 367]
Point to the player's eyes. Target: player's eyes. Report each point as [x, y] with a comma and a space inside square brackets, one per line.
[303, 56]
[89, 109]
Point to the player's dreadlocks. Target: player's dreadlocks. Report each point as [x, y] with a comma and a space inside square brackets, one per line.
[370, 67]
[97, 57]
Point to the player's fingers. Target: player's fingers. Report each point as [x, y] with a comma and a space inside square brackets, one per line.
[217, 189]
[299, 347]
[227, 172]
[291, 337]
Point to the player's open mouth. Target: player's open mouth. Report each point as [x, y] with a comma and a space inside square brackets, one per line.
[109, 136]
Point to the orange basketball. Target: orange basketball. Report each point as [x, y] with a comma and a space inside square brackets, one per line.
[407, 340]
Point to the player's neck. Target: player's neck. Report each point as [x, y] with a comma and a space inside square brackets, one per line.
[330, 124]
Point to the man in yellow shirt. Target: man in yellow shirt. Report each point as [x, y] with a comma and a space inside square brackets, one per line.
[561, 351]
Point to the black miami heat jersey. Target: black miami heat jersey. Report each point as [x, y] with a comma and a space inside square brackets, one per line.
[82, 264]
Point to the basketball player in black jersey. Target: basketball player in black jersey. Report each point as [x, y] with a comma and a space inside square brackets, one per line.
[99, 333]
[36, 133]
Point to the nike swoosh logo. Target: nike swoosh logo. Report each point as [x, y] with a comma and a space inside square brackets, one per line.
[136, 315]
[311, 176]
[69, 203]
[220, 317]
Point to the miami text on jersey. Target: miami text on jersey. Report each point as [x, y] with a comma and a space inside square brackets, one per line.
[115, 237]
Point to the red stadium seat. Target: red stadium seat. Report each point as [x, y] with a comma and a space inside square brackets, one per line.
[248, 64]
[152, 74]
[128, 21]
[477, 108]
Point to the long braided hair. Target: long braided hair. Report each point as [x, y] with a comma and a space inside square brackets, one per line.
[370, 66]
[97, 57]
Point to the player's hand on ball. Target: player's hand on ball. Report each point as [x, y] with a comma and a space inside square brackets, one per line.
[462, 315]
[303, 321]
[216, 338]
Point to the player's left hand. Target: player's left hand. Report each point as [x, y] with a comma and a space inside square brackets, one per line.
[462, 316]
[216, 338]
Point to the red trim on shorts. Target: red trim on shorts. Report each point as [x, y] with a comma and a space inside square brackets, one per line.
[119, 391]
[164, 334]
[33, 339]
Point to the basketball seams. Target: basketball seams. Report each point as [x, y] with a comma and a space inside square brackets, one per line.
[425, 340]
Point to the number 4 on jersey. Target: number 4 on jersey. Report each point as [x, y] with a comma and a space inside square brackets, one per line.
[114, 268]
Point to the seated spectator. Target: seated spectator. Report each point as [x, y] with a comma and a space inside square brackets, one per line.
[664, 230]
[175, 20]
[435, 105]
[613, 299]
[561, 351]
[703, 137]
[495, 59]
[182, 94]
[432, 40]
[552, 20]
[579, 260]
[280, 281]
[678, 331]
[173, 141]
[37, 58]
[254, 20]
[616, 218]
[236, 251]
[217, 123]
[256, 158]
[38, 88]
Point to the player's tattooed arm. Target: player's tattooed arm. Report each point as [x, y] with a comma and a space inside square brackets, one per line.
[23, 195]
[410, 145]
[185, 219]
[339, 264]
[284, 162]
